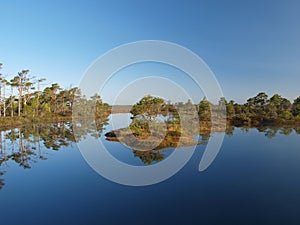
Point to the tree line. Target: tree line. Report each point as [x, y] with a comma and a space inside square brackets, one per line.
[27, 96]
[258, 110]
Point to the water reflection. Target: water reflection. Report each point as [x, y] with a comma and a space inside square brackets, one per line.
[1, 180]
[170, 142]
[149, 157]
[25, 145]
[271, 132]
[30, 144]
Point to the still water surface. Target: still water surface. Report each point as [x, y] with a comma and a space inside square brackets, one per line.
[255, 179]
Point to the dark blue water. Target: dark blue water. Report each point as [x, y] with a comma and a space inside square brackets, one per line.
[254, 180]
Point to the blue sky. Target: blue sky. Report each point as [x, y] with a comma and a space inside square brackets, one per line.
[251, 46]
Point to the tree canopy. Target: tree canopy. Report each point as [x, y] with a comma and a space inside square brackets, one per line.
[25, 95]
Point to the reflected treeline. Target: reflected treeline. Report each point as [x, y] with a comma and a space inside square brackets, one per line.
[30, 144]
[271, 132]
[168, 144]
[26, 145]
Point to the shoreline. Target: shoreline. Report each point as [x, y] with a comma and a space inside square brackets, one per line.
[15, 122]
[12, 122]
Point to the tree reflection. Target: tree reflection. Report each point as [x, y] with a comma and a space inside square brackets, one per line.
[1, 180]
[149, 157]
[272, 131]
[229, 130]
[30, 144]
[286, 130]
[297, 130]
[171, 139]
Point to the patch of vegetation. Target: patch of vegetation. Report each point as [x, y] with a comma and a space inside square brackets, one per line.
[157, 124]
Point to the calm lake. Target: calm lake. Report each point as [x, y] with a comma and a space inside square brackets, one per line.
[255, 179]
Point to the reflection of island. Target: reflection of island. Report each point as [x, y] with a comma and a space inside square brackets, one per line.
[172, 139]
[155, 155]
[149, 157]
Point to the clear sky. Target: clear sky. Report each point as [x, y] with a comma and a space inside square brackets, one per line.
[251, 46]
